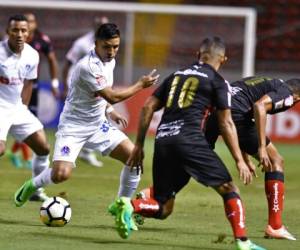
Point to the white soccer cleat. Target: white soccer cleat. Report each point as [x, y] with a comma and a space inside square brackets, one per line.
[90, 158]
[281, 233]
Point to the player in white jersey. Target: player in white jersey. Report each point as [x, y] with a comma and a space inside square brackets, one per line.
[83, 120]
[80, 48]
[18, 69]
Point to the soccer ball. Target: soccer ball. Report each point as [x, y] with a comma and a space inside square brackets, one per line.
[55, 212]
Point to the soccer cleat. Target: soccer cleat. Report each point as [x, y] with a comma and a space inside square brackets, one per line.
[90, 158]
[39, 195]
[123, 212]
[24, 192]
[139, 219]
[112, 209]
[28, 164]
[247, 245]
[15, 159]
[281, 233]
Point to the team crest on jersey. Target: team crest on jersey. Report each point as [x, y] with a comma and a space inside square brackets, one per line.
[27, 67]
[101, 80]
[65, 150]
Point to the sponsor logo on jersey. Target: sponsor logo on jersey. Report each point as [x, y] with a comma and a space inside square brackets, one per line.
[101, 80]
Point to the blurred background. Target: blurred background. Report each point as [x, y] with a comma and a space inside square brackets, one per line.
[169, 41]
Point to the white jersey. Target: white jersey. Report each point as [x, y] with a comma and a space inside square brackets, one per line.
[14, 69]
[84, 111]
[81, 47]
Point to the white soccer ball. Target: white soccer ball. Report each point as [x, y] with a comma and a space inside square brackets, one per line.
[55, 212]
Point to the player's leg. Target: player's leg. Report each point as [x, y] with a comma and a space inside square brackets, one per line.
[64, 158]
[2, 147]
[207, 168]
[116, 144]
[274, 189]
[89, 156]
[235, 213]
[14, 156]
[129, 179]
[274, 180]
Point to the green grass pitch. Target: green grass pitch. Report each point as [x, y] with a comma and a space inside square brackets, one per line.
[198, 221]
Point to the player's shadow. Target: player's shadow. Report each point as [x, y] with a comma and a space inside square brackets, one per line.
[103, 241]
[17, 222]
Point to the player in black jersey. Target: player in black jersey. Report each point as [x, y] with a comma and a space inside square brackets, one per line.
[254, 98]
[181, 150]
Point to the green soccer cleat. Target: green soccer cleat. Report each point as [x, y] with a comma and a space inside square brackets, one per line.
[112, 209]
[247, 245]
[123, 216]
[24, 192]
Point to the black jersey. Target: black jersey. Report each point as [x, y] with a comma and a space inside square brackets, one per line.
[188, 95]
[247, 91]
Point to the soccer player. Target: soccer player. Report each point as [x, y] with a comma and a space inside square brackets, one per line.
[83, 120]
[40, 42]
[254, 98]
[81, 47]
[18, 69]
[181, 150]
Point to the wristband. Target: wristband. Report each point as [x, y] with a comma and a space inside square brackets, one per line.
[55, 83]
[109, 109]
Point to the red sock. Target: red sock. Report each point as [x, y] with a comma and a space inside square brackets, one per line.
[235, 213]
[146, 207]
[26, 152]
[274, 189]
[147, 193]
[16, 146]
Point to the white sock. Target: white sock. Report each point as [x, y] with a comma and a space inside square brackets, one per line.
[129, 182]
[39, 163]
[43, 179]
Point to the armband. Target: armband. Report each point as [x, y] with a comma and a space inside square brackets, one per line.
[55, 83]
[109, 109]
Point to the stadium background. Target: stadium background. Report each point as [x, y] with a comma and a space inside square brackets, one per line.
[167, 42]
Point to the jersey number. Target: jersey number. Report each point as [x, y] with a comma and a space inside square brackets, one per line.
[187, 92]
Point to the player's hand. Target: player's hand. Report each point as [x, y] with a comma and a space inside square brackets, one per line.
[136, 159]
[149, 80]
[118, 118]
[55, 92]
[264, 160]
[245, 174]
[251, 166]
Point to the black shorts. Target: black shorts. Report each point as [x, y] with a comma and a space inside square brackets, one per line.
[246, 131]
[174, 164]
[248, 137]
[33, 104]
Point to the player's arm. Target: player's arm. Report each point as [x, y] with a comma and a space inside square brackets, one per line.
[260, 109]
[53, 69]
[27, 91]
[136, 157]
[65, 74]
[229, 134]
[249, 163]
[115, 116]
[114, 96]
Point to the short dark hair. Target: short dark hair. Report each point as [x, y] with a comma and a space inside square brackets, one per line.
[107, 31]
[294, 85]
[212, 45]
[17, 17]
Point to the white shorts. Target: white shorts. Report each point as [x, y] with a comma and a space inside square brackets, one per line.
[104, 141]
[19, 122]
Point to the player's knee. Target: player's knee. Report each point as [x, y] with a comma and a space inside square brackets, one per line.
[61, 173]
[44, 149]
[278, 163]
[2, 150]
[167, 209]
[226, 188]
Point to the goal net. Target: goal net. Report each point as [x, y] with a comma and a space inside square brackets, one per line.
[159, 36]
